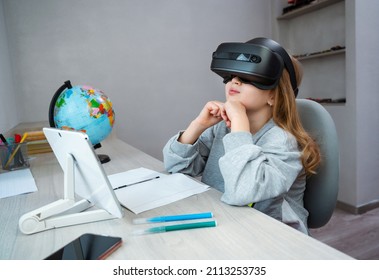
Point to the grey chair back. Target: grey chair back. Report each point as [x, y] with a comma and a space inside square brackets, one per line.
[321, 192]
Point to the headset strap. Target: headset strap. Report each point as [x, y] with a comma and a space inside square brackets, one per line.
[275, 47]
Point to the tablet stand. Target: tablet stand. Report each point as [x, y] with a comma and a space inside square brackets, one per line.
[63, 212]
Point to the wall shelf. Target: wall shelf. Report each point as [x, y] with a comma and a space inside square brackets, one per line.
[333, 104]
[323, 60]
[329, 101]
[313, 6]
[319, 55]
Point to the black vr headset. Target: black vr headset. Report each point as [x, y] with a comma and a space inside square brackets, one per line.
[259, 62]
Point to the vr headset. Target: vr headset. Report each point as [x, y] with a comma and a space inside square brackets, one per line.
[259, 61]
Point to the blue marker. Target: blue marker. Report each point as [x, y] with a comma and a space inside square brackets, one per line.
[161, 219]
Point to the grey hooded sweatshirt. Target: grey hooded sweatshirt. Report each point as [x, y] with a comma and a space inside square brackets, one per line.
[263, 168]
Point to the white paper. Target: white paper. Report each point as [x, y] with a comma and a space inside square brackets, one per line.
[156, 192]
[132, 177]
[16, 182]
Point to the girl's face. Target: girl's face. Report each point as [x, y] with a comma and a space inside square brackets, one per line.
[251, 97]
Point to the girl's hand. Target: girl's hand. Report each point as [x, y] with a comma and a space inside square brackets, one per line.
[210, 114]
[234, 114]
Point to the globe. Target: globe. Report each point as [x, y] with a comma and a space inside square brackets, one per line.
[83, 108]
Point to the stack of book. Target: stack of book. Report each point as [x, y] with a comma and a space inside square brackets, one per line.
[37, 143]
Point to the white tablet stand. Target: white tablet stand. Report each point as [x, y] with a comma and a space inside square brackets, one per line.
[83, 174]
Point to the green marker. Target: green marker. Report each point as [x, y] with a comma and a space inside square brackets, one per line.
[176, 227]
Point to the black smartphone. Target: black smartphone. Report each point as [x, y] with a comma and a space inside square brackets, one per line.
[88, 247]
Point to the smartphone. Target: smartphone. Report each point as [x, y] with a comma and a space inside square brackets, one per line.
[88, 247]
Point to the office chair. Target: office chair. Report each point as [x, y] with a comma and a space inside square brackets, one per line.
[321, 192]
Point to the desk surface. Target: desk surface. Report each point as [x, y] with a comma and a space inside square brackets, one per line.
[242, 232]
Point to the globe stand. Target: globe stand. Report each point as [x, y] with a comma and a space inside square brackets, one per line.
[67, 84]
[103, 158]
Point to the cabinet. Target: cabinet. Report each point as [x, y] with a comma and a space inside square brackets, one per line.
[315, 34]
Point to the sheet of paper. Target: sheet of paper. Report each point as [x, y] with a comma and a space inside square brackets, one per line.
[133, 176]
[156, 192]
[16, 182]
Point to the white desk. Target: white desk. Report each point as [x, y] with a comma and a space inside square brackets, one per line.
[242, 232]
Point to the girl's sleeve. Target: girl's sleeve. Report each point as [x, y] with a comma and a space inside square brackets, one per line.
[255, 173]
[186, 158]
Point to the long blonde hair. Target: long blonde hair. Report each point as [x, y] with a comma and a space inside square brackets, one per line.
[285, 115]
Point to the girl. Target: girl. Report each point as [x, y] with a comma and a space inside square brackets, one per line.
[252, 147]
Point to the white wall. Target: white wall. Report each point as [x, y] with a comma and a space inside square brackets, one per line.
[358, 121]
[8, 108]
[367, 99]
[151, 57]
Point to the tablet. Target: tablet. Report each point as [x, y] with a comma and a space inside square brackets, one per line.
[90, 180]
